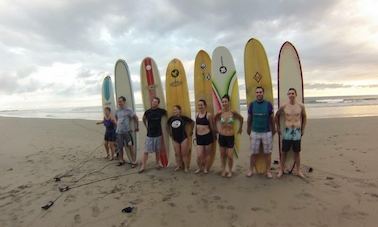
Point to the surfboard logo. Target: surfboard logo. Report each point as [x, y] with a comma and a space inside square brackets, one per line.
[222, 69]
[175, 73]
[257, 77]
[203, 66]
[148, 67]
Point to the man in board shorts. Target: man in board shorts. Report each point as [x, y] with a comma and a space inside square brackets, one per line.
[261, 123]
[124, 139]
[152, 120]
[295, 117]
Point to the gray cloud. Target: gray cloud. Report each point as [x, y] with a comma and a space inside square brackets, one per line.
[94, 35]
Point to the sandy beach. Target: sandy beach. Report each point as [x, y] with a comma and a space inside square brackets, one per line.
[342, 189]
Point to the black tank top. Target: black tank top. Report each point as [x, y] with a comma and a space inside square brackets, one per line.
[202, 120]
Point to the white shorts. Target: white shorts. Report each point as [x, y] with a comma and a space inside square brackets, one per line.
[261, 137]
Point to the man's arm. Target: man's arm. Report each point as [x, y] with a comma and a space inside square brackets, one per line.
[136, 120]
[304, 119]
[277, 119]
[144, 120]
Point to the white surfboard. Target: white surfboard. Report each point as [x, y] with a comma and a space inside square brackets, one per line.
[123, 88]
[289, 76]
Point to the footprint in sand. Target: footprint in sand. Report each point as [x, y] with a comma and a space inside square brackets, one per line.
[95, 211]
[216, 197]
[77, 219]
[190, 209]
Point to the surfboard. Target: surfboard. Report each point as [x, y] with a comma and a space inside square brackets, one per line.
[257, 73]
[289, 76]
[178, 94]
[123, 88]
[225, 81]
[108, 95]
[203, 89]
[151, 87]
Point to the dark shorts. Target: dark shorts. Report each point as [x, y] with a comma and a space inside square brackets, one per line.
[123, 140]
[204, 140]
[294, 144]
[179, 138]
[110, 136]
[226, 141]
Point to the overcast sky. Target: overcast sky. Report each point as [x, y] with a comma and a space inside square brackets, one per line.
[56, 53]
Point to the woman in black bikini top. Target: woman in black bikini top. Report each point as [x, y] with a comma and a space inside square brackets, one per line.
[204, 137]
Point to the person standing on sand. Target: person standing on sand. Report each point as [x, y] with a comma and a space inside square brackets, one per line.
[227, 119]
[123, 116]
[260, 128]
[152, 120]
[110, 132]
[295, 118]
[205, 137]
[176, 127]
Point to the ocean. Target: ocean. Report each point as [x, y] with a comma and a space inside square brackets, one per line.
[316, 108]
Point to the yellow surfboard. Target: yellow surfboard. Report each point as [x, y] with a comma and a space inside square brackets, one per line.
[257, 73]
[177, 93]
[203, 89]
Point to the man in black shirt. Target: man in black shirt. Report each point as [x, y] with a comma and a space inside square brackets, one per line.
[152, 120]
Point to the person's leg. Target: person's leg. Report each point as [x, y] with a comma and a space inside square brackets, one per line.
[254, 146]
[106, 145]
[230, 158]
[268, 160]
[120, 145]
[267, 141]
[207, 157]
[184, 148]
[112, 149]
[176, 147]
[147, 148]
[223, 155]
[200, 157]
[282, 164]
[285, 146]
[298, 164]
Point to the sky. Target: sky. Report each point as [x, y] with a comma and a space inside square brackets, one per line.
[56, 53]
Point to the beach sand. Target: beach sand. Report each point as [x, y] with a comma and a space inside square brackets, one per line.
[341, 191]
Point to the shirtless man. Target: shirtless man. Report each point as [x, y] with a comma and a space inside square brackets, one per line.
[295, 117]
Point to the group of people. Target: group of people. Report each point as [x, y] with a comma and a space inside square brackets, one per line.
[262, 125]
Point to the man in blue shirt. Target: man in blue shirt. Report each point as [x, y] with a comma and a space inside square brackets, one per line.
[261, 128]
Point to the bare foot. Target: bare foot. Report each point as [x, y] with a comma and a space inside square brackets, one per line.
[224, 173]
[269, 175]
[249, 174]
[300, 174]
[186, 170]
[229, 174]
[205, 171]
[141, 170]
[177, 168]
[197, 171]
[279, 174]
